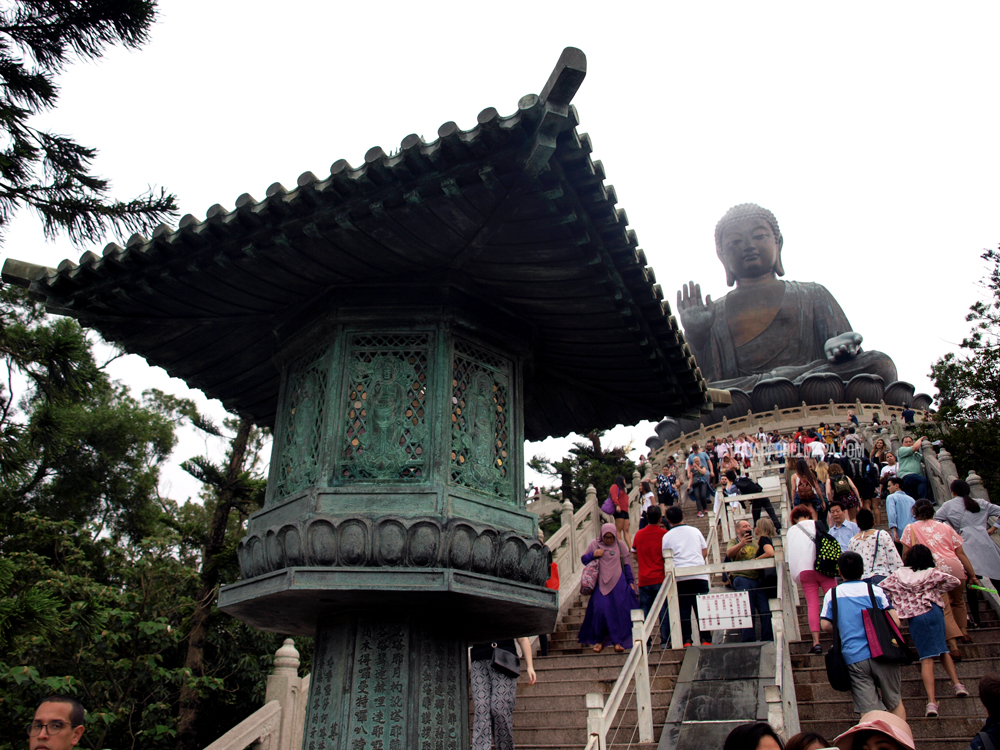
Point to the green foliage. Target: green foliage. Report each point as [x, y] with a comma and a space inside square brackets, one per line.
[588, 463]
[110, 636]
[100, 579]
[968, 386]
[73, 444]
[51, 173]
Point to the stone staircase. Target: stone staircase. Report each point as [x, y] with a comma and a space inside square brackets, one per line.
[828, 712]
[552, 713]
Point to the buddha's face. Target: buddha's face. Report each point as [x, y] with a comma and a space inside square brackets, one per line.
[749, 249]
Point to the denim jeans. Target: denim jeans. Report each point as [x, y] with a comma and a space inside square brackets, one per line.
[646, 596]
[742, 583]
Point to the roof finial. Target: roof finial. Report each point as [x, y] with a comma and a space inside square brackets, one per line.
[566, 77]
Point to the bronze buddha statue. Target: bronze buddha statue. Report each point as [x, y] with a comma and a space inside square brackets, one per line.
[768, 328]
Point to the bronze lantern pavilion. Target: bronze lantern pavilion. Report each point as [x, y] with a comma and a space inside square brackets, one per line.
[403, 326]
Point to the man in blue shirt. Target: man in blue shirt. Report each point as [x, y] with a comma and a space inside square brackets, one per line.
[841, 528]
[869, 678]
[898, 507]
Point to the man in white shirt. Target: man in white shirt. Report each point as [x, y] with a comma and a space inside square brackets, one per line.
[689, 549]
[817, 449]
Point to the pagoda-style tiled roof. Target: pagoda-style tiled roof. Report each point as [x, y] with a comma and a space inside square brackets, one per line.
[513, 212]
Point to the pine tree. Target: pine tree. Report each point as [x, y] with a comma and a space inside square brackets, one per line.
[50, 173]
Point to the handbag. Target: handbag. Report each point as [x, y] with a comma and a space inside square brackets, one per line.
[506, 662]
[836, 667]
[588, 579]
[608, 507]
[884, 639]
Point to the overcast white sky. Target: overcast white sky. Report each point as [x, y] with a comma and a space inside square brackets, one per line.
[868, 128]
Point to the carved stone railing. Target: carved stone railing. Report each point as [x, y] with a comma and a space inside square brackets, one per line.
[779, 419]
[576, 531]
[277, 725]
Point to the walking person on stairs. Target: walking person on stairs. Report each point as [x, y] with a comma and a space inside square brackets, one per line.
[494, 691]
[875, 686]
[609, 611]
[972, 519]
[801, 555]
[690, 550]
[916, 592]
[950, 557]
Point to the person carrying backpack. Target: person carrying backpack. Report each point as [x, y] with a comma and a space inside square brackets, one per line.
[841, 489]
[801, 556]
[807, 490]
[746, 486]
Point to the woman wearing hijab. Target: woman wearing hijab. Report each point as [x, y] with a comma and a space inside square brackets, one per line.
[608, 618]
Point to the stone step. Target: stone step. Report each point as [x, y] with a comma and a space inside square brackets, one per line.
[949, 707]
[911, 687]
[661, 679]
[660, 690]
[970, 652]
[565, 734]
[969, 671]
[576, 649]
[982, 643]
[542, 719]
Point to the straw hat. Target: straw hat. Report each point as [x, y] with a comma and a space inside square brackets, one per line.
[879, 721]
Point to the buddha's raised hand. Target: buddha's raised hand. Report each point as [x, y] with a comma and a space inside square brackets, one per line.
[697, 316]
[844, 346]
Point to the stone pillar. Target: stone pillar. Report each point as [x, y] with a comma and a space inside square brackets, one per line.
[285, 686]
[566, 519]
[978, 488]
[948, 467]
[382, 679]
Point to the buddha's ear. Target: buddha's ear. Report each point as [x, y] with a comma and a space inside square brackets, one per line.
[778, 268]
[730, 279]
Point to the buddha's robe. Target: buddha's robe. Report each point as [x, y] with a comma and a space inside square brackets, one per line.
[790, 347]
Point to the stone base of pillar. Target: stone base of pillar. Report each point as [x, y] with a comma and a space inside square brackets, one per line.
[386, 683]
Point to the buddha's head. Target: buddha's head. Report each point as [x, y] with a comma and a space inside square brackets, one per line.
[748, 242]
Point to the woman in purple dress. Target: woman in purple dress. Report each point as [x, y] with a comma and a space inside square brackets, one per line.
[608, 618]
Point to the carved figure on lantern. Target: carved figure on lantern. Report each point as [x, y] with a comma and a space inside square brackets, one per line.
[768, 328]
[386, 426]
[479, 443]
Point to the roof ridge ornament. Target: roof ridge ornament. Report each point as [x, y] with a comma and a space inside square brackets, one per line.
[566, 77]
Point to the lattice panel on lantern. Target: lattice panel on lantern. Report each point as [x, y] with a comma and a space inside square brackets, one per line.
[480, 420]
[386, 427]
[302, 433]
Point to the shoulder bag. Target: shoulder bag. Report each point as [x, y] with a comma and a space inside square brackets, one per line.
[506, 662]
[588, 579]
[884, 639]
[836, 667]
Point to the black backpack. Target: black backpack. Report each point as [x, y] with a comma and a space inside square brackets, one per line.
[827, 552]
[747, 486]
